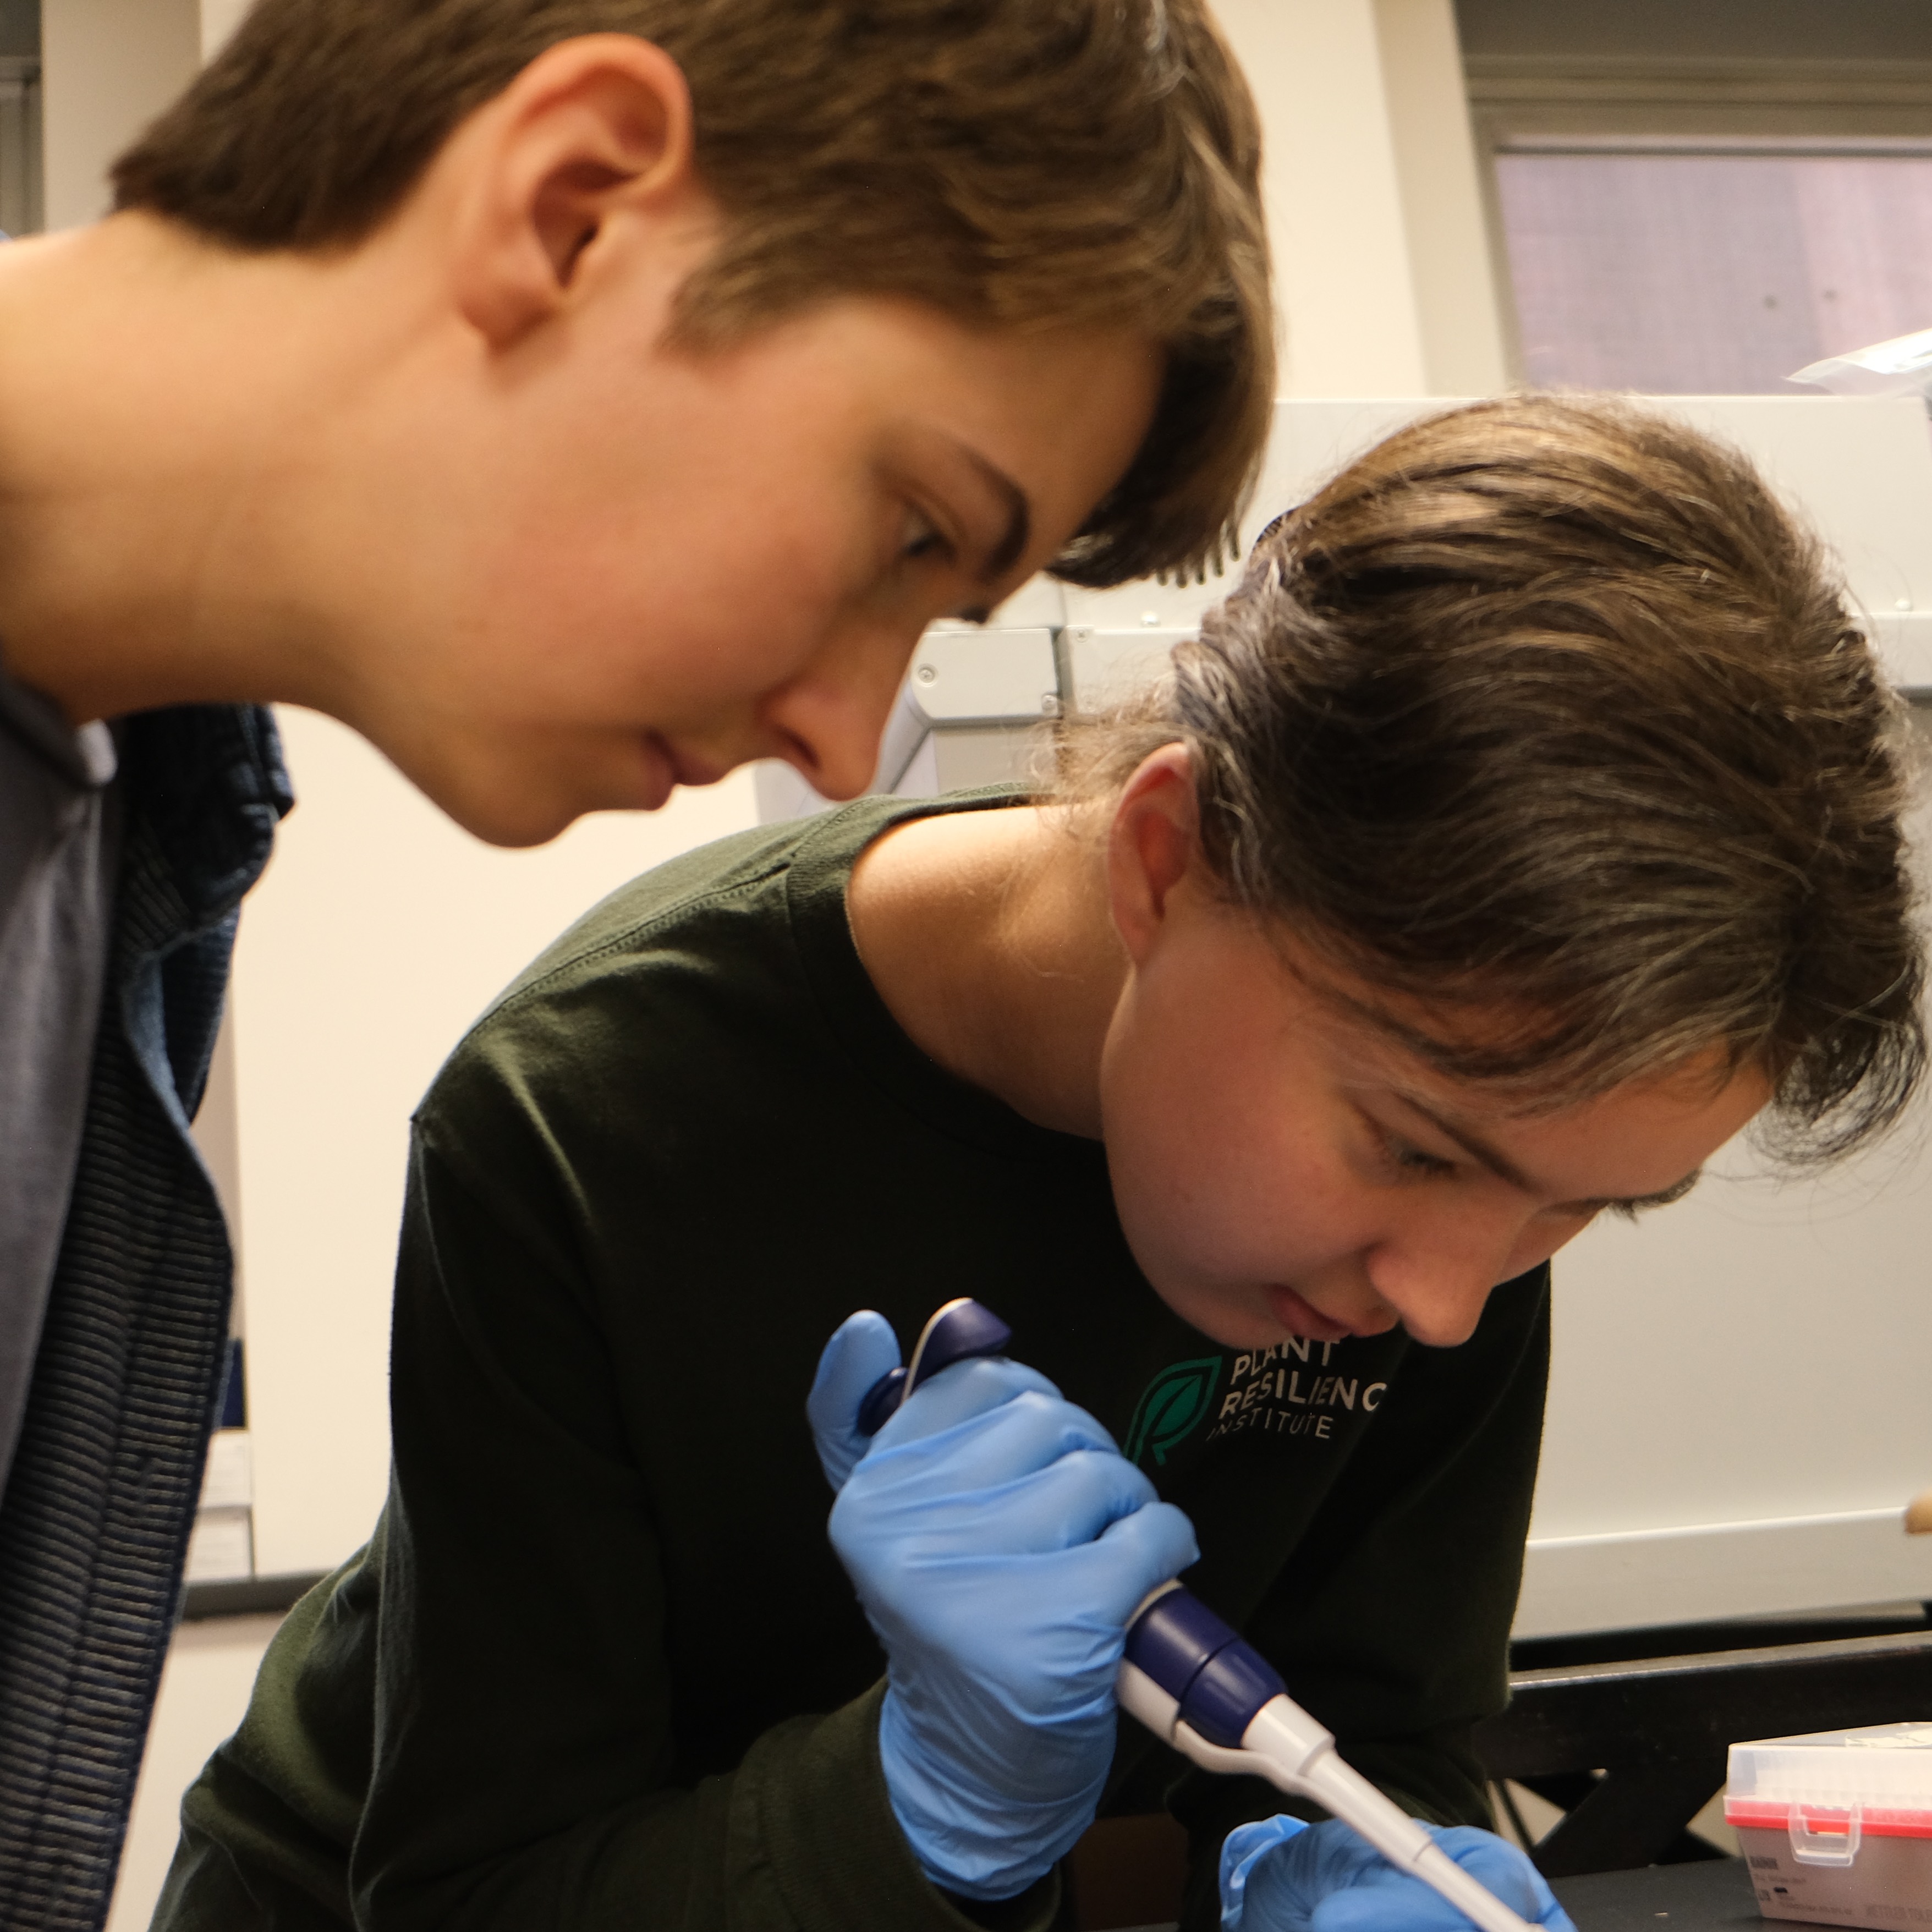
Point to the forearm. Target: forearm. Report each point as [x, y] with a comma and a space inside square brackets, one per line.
[564, 1651]
[799, 1838]
[835, 1868]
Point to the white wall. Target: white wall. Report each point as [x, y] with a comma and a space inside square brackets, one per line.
[378, 934]
[1444, 228]
[1374, 214]
[205, 1686]
[107, 67]
[219, 18]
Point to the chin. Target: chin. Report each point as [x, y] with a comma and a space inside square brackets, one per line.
[1230, 1317]
[520, 788]
[521, 801]
[508, 816]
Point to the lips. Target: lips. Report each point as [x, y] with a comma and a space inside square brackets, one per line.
[666, 767]
[691, 770]
[659, 775]
[1305, 1322]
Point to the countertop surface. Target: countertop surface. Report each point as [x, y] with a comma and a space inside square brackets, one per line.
[1703, 1898]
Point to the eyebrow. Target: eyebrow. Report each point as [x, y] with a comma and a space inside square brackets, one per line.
[1018, 532]
[1503, 1169]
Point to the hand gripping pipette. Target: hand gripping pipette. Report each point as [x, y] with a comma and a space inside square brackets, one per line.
[1194, 1683]
[1198, 1686]
[959, 1330]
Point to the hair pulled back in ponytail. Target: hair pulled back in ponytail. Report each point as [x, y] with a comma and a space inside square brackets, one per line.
[1546, 711]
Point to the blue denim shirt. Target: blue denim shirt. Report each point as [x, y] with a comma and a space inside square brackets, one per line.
[98, 1504]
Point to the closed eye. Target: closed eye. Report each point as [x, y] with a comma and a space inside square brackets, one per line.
[1642, 1203]
[921, 538]
[956, 503]
[1407, 1160]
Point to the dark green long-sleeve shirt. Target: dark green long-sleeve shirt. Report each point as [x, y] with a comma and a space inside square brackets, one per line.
[599, 1667]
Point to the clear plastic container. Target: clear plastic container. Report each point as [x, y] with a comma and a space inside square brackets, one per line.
[1902, 366]
[1836, 1827]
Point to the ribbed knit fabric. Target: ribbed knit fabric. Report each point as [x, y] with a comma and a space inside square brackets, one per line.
[94, 1522]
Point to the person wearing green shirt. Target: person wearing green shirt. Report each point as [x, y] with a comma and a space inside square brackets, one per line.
[1525, 825]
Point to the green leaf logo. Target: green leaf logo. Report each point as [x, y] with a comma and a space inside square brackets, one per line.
[1171, 1406]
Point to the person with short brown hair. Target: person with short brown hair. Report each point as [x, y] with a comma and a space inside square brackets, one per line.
[1012, 165]
[579, 398]
[1525, 825]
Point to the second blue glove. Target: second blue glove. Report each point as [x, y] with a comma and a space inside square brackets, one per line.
[1280, 1875]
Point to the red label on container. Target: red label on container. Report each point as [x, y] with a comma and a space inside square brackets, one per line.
[1823, 1821]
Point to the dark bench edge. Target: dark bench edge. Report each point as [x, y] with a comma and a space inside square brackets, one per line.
[247, 1596]
[1651, 1670]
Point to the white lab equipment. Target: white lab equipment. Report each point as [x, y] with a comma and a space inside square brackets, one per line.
[1902, 366]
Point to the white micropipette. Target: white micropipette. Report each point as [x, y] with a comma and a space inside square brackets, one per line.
[1224, 1689]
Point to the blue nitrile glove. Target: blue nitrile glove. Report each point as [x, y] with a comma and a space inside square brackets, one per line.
[999, 1543]
[1281, 1875]
[862, 1349]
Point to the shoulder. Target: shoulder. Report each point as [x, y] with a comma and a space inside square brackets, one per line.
[679, 980]
[733, 882]
[721, 984]
[631, 975]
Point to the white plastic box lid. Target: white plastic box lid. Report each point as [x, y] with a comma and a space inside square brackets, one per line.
[1877, 1781]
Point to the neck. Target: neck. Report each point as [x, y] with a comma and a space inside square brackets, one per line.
[989, 937]
[168, 413]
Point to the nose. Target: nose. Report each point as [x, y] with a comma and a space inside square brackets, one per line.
[1438, 1277]
[828, 718]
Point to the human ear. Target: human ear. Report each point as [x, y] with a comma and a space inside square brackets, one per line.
[1152, 844]
[593, 127]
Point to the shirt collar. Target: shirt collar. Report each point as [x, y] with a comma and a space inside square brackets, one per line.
[85, 757]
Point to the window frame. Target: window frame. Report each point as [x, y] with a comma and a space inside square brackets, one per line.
[1535, 104]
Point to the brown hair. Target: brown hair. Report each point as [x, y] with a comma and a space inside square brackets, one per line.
[1546, 706]
[1014, 162]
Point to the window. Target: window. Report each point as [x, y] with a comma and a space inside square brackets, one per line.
[1710, 268]
[1687, 199]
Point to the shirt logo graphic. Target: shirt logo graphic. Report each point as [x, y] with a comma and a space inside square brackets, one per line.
[1171, 1406]
[1268, 1391]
